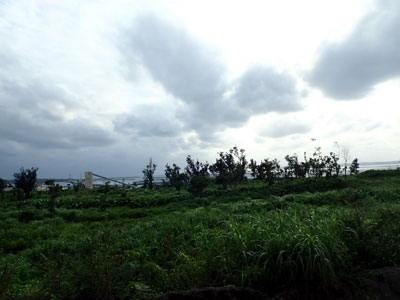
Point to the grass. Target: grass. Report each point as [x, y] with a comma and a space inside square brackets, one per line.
[138, 244]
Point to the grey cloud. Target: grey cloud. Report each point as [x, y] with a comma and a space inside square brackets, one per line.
[263, 89]
[35, 98]
[46, 134]
[285, 127]
[192, 73]
[148, 121]
[370, 55]
[185, 68]
[33, 114]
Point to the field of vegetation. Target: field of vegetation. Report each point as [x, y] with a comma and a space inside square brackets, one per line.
[137, 244]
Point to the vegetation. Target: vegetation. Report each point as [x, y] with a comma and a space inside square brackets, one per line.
[26, 180]
[299, 226]
[354, 167]
[136, 244]
[3, 185]
[174, 177]
[54, 192]
[148, 175]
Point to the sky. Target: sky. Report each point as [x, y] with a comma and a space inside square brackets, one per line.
[105, 85]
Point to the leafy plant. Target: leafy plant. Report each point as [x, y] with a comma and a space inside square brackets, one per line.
[230, 167]
[195, 168]
[198, 184]
[26, 180]
[175, 178]
[3, 185]
[54, 191]
[354, 167]
[148, 175]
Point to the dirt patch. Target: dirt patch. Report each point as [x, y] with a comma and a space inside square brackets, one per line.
[378, 284]
[215, 293]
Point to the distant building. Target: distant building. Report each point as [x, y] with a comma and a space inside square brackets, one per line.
[89, 179]
[41, 187]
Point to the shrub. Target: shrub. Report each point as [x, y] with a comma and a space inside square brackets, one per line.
[26, 180]
[379, 173]
[198, 184]
[3, 185]
[148, 175]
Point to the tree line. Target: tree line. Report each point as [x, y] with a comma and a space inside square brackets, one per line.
[230, 169]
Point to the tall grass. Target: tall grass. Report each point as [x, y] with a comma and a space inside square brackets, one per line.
[245, 237]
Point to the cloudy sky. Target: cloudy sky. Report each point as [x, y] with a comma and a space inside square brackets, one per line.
[104, 85]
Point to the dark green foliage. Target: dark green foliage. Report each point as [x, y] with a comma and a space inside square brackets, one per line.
[284, 187]
[18, 194]
[230, 167]
[26, 180]
[5, 274]
[265, 170]
[54, 192]
[316, 166]
[3, 185]
[148, 175]
[77, 186]
[27, 216]
[105, 189]
[175, 178]
[354, 167]
[195, 168]
[379, 173]
[144, 243]
[294, 167]
[198, 184]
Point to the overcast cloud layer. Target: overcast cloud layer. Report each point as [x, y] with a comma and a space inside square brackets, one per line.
[103, 87]
[195, 75]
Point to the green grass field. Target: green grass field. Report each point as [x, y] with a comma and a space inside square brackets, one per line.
[138, 244]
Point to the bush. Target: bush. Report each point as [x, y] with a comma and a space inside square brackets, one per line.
[198, 184]
[379, 173]
[3, 185]
[26, 180]
[27, 216]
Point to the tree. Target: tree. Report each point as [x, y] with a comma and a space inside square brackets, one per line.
[332, 167]
[26, 180]
[354, 167]
[3, 185]
[266, 169]
[256, 172]
[54, 191]
[77, 186]
[148, 173]
[195, 168]
[294, 168]
[230, 167]
[175, 178]
[198, 184]
[346, 157]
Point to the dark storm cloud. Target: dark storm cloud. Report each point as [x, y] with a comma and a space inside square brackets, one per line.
[370, 55]
[192, 73]
[285, 127]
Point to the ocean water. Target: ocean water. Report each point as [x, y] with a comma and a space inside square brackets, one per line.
[381, 165]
